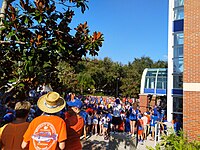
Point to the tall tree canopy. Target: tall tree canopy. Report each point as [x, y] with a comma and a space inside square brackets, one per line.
[107, 77]
[35, 37]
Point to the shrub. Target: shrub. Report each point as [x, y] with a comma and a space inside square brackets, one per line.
[176, 142]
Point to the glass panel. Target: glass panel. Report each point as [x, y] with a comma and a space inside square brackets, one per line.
[177, 104]
[178, 3]
[161, 83]
[151, 73]
[178, 51]
[150, 83]
[178, 13]
[178, 65]
[178, 39]
[162, 73]
[178, 81]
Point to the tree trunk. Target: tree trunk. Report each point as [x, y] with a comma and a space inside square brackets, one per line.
[2, 15]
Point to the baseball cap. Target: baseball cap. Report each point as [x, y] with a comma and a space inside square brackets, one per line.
[75, 103]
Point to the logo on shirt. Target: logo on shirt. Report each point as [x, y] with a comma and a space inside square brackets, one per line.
[44, 136]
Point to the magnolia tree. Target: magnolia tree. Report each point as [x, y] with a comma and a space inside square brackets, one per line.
[35, 37]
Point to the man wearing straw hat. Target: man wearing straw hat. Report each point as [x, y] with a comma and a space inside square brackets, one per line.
[47, 131]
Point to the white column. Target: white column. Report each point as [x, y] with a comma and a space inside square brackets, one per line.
[170, 62]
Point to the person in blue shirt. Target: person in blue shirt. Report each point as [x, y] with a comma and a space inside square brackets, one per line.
[110, 120]
[133, 119]
[154, 120]
[127, 123]
[84, 115]
[177, 125]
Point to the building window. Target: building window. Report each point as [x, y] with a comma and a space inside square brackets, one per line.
[162, 83]
[177, 104]
[178, 38]
[178, 13]
[150, 82]
[178, 3]
[178, 81]
[178, 65]
[178, 51]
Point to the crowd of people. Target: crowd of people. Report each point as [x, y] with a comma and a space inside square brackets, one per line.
[53, 122]
[113, 115]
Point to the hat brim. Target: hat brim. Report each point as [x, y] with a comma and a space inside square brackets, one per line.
[73, 104]
[43, 107]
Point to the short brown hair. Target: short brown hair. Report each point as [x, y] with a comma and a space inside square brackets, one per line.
[22, 109]
[23, 105]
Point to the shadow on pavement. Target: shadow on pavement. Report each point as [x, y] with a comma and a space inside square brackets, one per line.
[94, 145]
[121, 142]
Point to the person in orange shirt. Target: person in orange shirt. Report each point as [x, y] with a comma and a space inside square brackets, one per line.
[47, 131]
[75, 124]
[11, 134]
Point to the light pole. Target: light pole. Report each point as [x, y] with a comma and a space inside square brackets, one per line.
[117, 88]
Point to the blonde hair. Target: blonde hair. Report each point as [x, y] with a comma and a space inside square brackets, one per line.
[23, 105]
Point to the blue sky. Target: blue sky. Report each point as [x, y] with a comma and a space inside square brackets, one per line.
[131, 28]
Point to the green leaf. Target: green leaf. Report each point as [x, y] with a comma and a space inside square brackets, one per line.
[10, 34]
[21, 85]
[26, 20]
[40, 19]
[2, 28]
[12, 80]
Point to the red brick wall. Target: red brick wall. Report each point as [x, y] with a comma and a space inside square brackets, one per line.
[191, 99]
[143, 103]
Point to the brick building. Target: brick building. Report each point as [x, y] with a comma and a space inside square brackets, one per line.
[183, 95]
[191, 73]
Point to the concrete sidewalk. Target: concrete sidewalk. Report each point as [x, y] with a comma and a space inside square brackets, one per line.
[117, 141]
[146, 143]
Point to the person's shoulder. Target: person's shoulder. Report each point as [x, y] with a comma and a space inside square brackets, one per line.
[3, 127]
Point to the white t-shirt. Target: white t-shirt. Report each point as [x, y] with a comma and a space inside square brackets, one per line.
[145, 120]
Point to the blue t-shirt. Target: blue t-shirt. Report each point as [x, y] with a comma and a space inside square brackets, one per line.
[133, 114]
[177, 126]
[154, 120]
[84, 115]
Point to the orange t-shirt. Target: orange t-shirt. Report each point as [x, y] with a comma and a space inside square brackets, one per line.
[11, 135]
[44, 132]
[75, 125]
[149, 119]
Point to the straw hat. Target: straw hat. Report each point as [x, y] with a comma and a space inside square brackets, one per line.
[51, 102]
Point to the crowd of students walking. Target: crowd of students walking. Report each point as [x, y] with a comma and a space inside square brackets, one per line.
[57, 123]
[106, 115]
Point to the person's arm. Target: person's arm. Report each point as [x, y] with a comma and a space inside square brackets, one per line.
[62, 145]
[24, 145]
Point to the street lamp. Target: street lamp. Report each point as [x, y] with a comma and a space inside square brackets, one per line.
[117, 88]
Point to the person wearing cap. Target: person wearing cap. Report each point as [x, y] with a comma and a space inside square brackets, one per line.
[47, 131]
[11, 134]
[75, 124]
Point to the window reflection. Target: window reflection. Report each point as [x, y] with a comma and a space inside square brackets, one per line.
[178, 81]
[178, 3]
[178, 13]
[178, 51]
[178, 65]
[177, 104]
[178, 39]
[150, 83]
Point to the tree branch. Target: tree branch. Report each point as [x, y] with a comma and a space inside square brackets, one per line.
[11, 42]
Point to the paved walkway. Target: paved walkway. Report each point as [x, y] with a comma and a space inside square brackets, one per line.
[117, 141]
